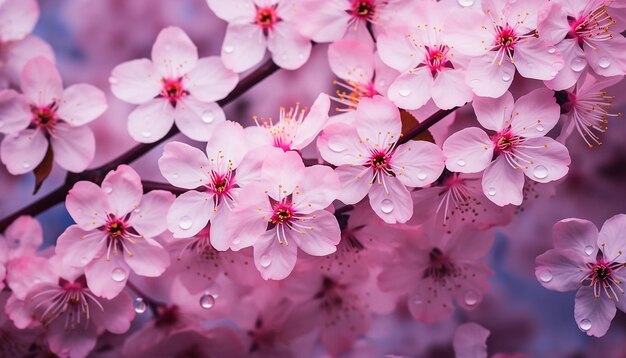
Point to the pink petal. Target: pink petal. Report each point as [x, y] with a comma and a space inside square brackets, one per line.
[116, 315]
[88, 205]
[378, 121]
[450, 90]
[351, 60]
[494, 113]
[249, 170]
[606, 57]
[151, 121]
[553, 25]
[26, 272]
[18, 53]
[149, 258]
[577, 235]
[465, 33]
[282, 172]
[397, 51]
[246, 222]
[392, 201]
[22, 152]
[237, 11]
[550, 159]
[184, 166]
[534, 59]
[74, 147]
[593, 315]
[41, 81]
[107, 278]
[470, 341]
[173, 53]
[124, 190]
[135, 81]
[613, 229]
[488, 79]
[321, 239]
[197, 119]
[340, 144]
[428, 305]
[227, 145]
[502, 184]
[24, 236]
[243, 47]
[147, 219]
[78, 342]
[323, 21]
[574, 63]
[421, 162]
[81, 104]
[210, 80]
[220, 239]
[355, 183]
[561, 270]
[289, 49]
[469, 150]
[535, 113]
[411, 90]
[15, 114]
[78, 247]
[317, 190]
[17, 19]
[313, 123]
[274, 261]
[190, 213]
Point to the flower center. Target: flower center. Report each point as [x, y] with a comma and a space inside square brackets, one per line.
[440, 266]
[437, 58]
[363, 10]
[119, 236]
[379, 161]
[505, 141]
[601, 276]
[282, 214]
[266, 18]
[44, 117]
[173, 90]
[71, 299]
[350, 93]
[116, 228]
[285, 130]
[506, 38]
[593, 25]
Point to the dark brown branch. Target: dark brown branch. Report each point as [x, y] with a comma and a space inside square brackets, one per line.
[427, 123]
[153, 185]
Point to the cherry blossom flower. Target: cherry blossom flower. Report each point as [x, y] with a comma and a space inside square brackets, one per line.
[586, 34]
[254, 25]
[286, 211]
[370, 161]
[14, 55]
[429, 66]
[17, 19]
[71, 313]
[470, 341]
[115, 230]
[503, 38]
[22, 238]
[175, 86]
[294, 130]
[47, 117]
[586, 109]
[519, 143]
[447, 270]
[590, 262]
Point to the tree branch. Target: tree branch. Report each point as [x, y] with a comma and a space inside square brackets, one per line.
[427, 123]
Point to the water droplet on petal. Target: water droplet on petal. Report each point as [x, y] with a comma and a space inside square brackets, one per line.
[604, 62]
[422, 175]
[475, 82]
[84, 260]
[236, 241]
[417, 300]
[185, 222]
[107, 189]
[589, 250]
[207, 301]
[540, 172]
[140, 305]
[585, 325]
[336, 145]
[118, 274]
[404, 91]
[471, 297]
[554, 73]
[301, 56]
[265, 260]
[552, 50]
[208, 116]
[545, 276]
[386, 206]
[506, 77]
[492, 191]
[540, 128]
[578, 64]
[229, 49]
[26, 165]
[175, 175]
[146, 134]
[461, 162]
[466, 3]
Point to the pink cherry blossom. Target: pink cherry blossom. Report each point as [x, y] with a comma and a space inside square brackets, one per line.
[586, 35]
[115, 230]
[519, 143]
[254, 25]
[590, 262]
[286, 211]
[370, 161]
[15, 54]
[429, 67]
[470, 341]
[17, 19]
[448, 270]
[175, 86]
[502, 38]
[48, 117]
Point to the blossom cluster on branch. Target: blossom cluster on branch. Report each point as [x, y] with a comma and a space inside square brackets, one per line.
[289, 236]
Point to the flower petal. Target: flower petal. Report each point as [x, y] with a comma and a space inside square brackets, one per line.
[274, 261]
[136, 81]
[549, 159]
[340, 144]
[391, 201]
[107, 278]
[488, 79]
[184, 166]
[317, 190]
[321, 235]
[351, 60]
[282, 172]
[74, 147]
[450, 90]
[196, 119]
[147, 218]
[494, 113]
[22, 152]
[421, 162]
[560, 270]
[151, 121]
[210, 80]
[289, 49]
[469, 150]
[378, 122]
[355, 183]
[535, 113]
[411, 90]
[502, 184]
[593, 315]
[190, 213]
[227, 145]
[149, 258]
[78, 247]
[243, 47]
[577, 235]
[313, 123]
[15, 114]
[611, 237]
[88, 205]
[124, 190]
[534, 59]
[81, 104]
[173, 53]
[41, 81]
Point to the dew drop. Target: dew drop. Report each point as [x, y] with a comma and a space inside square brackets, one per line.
[506, 77]
[461, 162]
[589, 250]
[552, 50]
[466, 3]
[26, 165]
[471, 297]
[229, 49]
[585, 325]
[175, 175]
[207, 301]
[146, 134]
[386, 206]
[417, 300]
[540, 128]
[208, 116]
[578, 64]
[540, 172]
[491, 191]
[604, 62]
[84, 260]
[336, 145]
[236, 241]
[265, 260]
[301, 56]
[545, 276]
[140, 305]
[118, 274]
[107, 189]
[554, 73]
[404, 91]
[422, 176]
[185, 222]
[475, 82]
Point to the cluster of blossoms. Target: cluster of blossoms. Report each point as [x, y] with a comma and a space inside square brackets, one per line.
[300, 230]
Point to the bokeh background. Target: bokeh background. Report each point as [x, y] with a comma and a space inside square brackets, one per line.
[90, 37]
